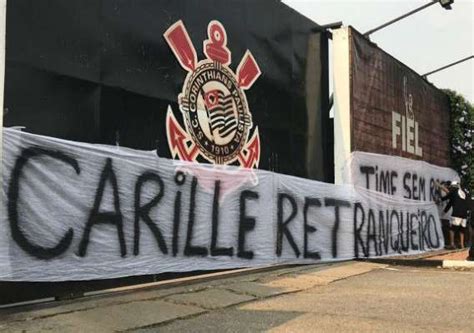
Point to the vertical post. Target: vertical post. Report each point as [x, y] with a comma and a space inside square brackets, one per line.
[3, 17]
[342, 102]
[5, 265]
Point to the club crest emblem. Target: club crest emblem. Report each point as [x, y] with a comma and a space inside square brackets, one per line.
[218, 124]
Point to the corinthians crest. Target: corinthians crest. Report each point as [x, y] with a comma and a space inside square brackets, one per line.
[218, 122]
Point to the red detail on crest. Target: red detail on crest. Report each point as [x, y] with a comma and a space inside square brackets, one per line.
[177, 138]
[211, 98]
[215, 48]
[248, 71]
[252, 157]
[181, 45]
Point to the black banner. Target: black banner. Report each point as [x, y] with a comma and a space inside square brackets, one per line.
[101, 71]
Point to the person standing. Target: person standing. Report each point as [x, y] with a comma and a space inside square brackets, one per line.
[445, 217]
[471, 225]
[457, 201]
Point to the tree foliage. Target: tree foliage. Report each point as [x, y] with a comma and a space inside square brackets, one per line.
[461, 138]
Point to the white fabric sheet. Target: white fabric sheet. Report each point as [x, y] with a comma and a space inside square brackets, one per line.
[76, 211]
[397, 176]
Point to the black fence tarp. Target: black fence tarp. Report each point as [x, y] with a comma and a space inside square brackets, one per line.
[100, 71]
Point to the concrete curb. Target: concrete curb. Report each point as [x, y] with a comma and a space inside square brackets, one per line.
[458, 264]
[407, 262]
[424, 260]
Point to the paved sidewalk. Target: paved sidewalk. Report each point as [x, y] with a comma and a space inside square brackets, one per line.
[353, 296]
[156, 307]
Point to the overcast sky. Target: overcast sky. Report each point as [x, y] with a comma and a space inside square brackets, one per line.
[424, 41]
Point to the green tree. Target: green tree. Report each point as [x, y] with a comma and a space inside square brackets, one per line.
[461, 138]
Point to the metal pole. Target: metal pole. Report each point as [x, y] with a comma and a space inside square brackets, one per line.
[400, 17]
[447, 66]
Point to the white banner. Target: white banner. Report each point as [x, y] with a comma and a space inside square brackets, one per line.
[397, 176]
[78, 211]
